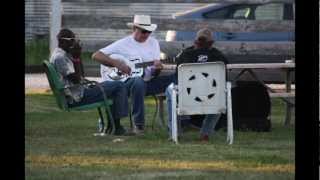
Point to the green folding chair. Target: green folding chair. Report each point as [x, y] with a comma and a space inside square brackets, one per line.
[58, 91]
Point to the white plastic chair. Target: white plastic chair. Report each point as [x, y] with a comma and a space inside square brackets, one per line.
[202, 89]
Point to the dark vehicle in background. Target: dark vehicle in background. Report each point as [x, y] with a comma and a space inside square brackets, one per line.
[268, 11]
[234, 11]
[241, 11]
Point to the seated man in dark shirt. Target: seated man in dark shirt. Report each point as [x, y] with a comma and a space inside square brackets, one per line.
[201, 52]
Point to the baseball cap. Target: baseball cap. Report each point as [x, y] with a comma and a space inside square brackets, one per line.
[204, 33]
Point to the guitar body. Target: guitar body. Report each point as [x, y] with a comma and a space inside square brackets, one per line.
[136, 65]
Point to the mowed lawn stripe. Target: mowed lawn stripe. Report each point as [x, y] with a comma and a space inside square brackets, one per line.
[159, 164]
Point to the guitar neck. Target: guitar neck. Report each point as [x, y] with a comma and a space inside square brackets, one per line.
[143, 64]
[150, 63]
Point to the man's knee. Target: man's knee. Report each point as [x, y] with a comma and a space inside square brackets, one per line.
[138, 83]
[114, 86]
[119, 84]
[169, 90]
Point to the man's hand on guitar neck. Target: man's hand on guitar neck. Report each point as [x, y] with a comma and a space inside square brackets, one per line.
[158, 64]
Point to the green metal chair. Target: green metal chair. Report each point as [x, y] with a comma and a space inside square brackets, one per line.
[58, 91]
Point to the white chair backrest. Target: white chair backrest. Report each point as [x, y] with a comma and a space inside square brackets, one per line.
[201, 88]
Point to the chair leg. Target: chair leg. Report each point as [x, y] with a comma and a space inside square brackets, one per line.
[229, 115]
[156, 113]
[111, 126]
[101, 125]
[130, 115]
[174, 128]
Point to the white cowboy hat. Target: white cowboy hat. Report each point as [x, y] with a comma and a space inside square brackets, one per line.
[143, 22]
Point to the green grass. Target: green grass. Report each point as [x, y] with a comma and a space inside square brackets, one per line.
[60, 145]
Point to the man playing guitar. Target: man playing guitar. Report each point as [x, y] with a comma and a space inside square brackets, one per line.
[124, 55]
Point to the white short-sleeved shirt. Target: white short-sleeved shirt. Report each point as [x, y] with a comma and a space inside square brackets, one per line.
[130, 48]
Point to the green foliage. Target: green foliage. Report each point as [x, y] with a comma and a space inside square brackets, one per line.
[61, 145]
[36, 51]
[87, 61]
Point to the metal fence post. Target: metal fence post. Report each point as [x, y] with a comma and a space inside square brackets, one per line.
[55, 23]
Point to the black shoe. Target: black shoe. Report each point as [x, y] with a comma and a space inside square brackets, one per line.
[120, 131]
[138, 129]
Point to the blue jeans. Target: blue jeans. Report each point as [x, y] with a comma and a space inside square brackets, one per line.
[209, 121]
[138, 88]
[114, 90]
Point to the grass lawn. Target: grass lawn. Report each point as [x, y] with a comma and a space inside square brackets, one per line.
[61, 145]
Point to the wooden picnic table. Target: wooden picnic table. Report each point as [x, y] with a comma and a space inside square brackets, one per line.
[287, 67]
[288, 96]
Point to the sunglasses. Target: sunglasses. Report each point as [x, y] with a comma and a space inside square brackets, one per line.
[143, 31]
[71, 39]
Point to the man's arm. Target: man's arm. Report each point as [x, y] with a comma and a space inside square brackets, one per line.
[76, 51]
[221, 56]
[178, 60]
[107, 61]
[65, 70]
